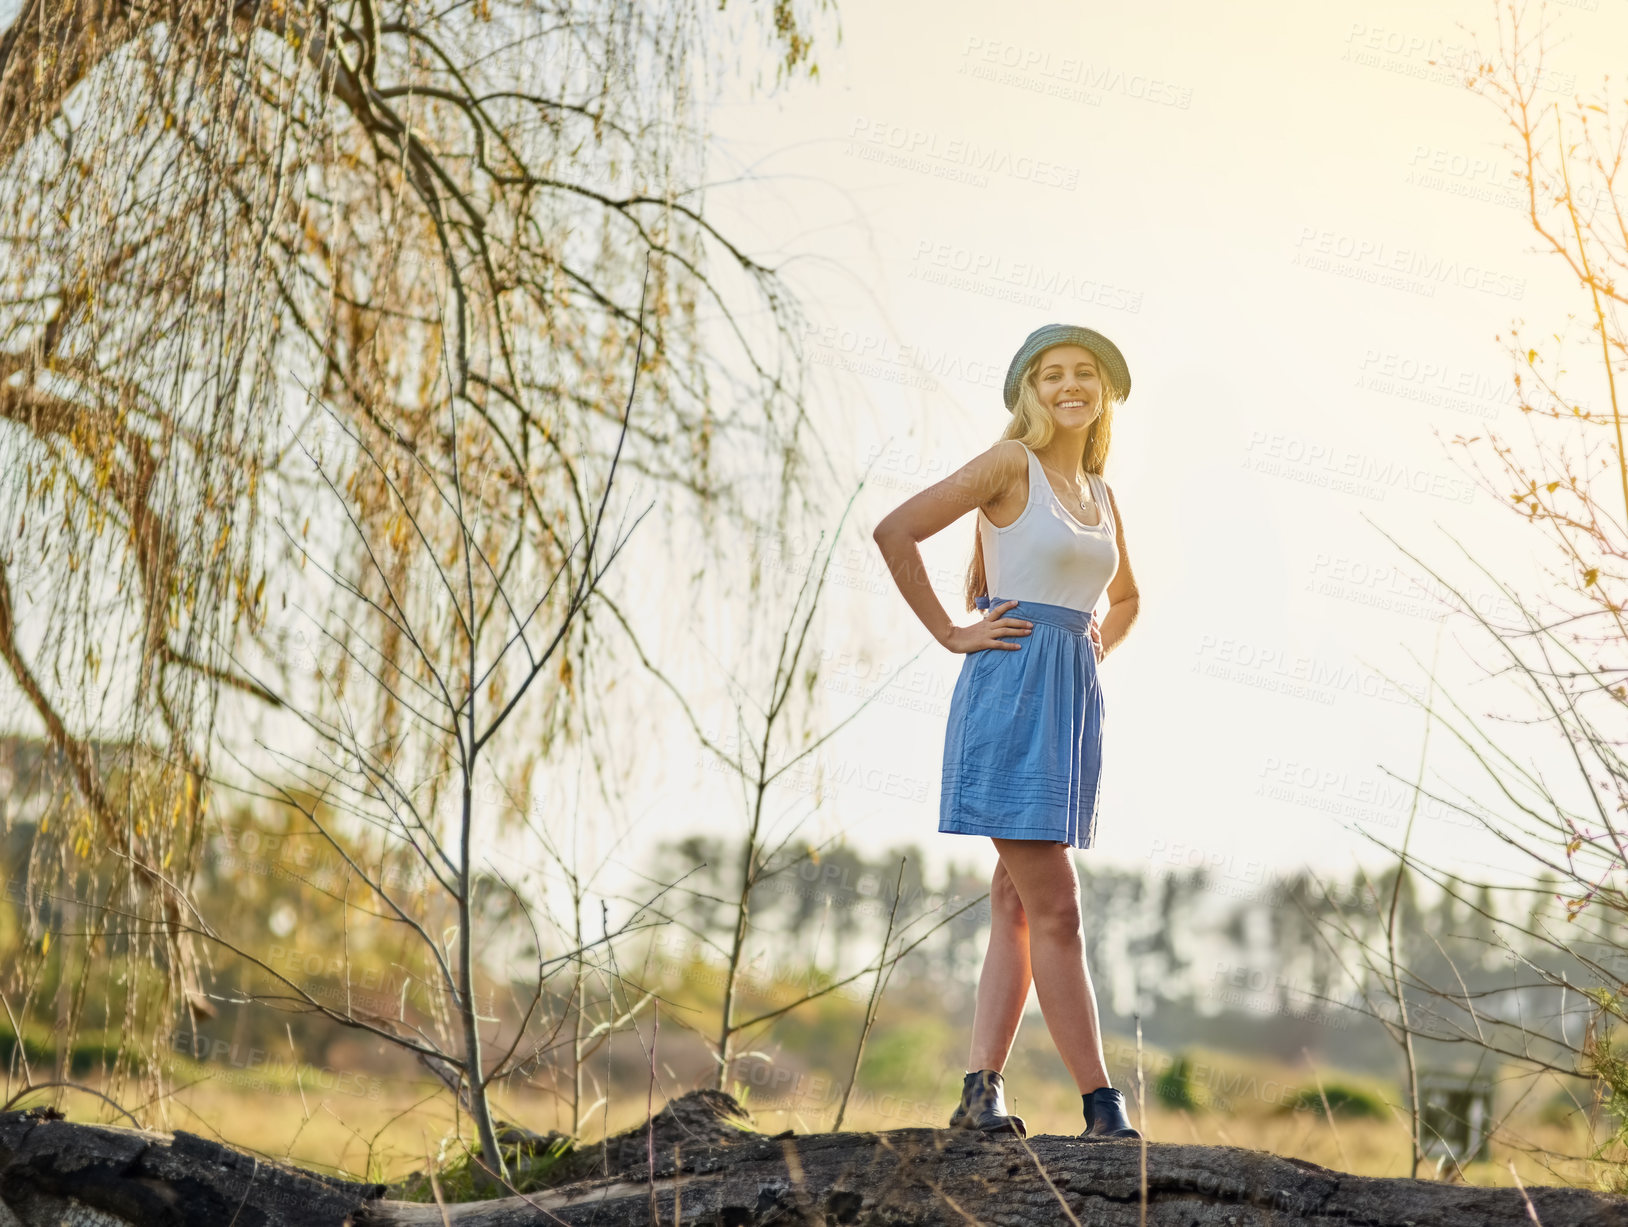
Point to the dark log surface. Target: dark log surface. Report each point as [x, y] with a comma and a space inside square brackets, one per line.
[711, 1168]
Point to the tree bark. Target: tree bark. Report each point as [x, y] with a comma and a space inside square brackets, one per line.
[711, 1168]
[52, 1171]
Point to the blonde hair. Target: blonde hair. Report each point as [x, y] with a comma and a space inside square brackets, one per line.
[1033, 426]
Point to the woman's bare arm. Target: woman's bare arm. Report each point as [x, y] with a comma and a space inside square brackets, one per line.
[1124, 602]
[977, 483]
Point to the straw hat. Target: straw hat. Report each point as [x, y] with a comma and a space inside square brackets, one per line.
[1044, 337]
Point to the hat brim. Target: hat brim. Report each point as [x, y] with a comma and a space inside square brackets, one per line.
[1043, 338]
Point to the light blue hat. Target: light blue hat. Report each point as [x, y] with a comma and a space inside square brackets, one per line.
[1047, 335]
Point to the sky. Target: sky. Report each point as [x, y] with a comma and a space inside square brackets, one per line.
[1306, 238]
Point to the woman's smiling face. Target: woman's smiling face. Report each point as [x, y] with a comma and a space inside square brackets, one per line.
[1068, 385]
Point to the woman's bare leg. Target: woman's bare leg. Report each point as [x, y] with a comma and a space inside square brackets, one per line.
[1003, 985]
[1043, 874]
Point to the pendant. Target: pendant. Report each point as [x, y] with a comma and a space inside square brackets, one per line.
[1084, 506]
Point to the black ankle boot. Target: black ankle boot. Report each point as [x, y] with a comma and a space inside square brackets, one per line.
[983, 1105]
[1105, 1115]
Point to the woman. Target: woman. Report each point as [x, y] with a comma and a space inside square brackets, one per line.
[1023, 745]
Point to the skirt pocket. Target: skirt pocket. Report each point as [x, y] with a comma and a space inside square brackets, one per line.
[1020, 720]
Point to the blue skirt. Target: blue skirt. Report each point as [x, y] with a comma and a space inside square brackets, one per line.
[1023, 746]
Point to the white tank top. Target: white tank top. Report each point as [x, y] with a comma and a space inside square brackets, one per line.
[1046, 554]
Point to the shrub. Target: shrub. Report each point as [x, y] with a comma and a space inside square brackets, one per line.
[1176, 1088]
[1343, 1100]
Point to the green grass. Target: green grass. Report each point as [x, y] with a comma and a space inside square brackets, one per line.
[1177, 1088]
[529, 1172]
[1343, 1100]
[92, 1050]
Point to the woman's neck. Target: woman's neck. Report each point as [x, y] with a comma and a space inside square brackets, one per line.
[1065, 453]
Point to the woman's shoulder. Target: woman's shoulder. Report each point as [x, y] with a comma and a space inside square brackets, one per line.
[1011, 459]
[1012, 448]
[998, 472]
[1005, 459]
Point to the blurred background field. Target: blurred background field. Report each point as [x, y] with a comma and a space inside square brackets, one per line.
[1249, 1021]
[383, 1124]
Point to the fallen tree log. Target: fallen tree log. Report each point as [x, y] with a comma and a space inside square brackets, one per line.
[711, 1168]
[53, 1171]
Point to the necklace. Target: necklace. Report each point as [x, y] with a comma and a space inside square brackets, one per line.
[1074, 486]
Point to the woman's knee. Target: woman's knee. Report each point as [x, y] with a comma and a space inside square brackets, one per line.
[1004, 899]
[1050, 891]
[1057, 917]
